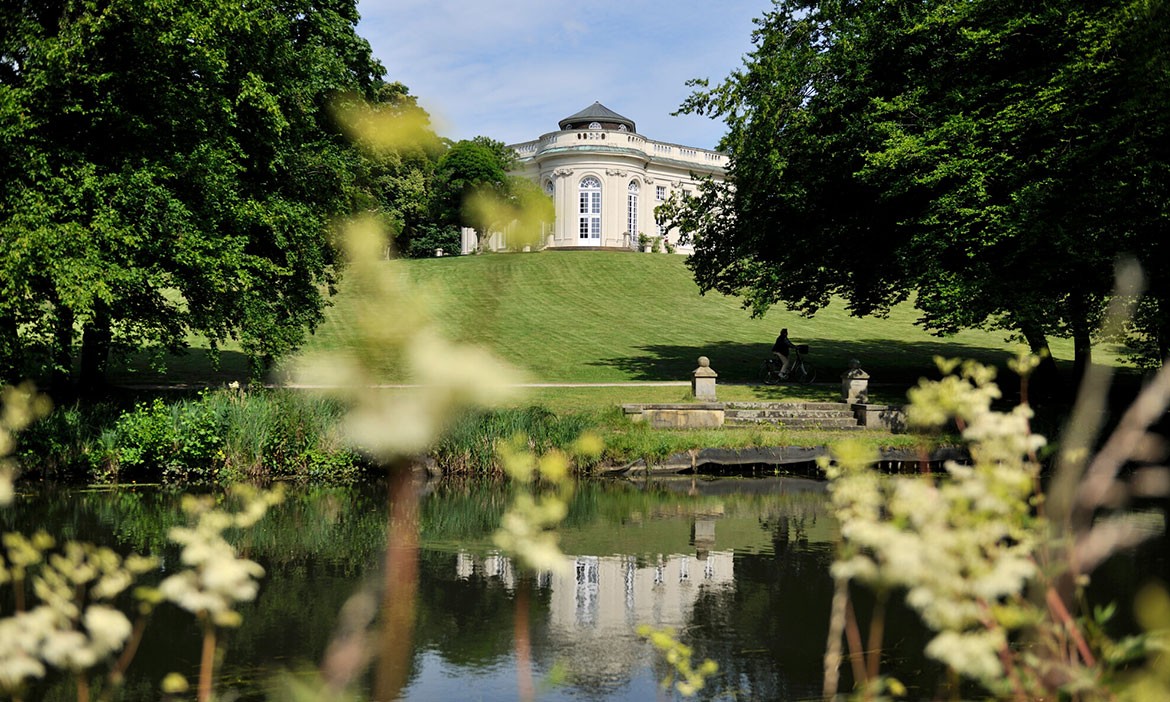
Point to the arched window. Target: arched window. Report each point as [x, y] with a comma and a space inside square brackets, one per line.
[632, 208]
[595, 125]
[549, 187]
[589, 222]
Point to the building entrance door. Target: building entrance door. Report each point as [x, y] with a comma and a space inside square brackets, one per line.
[589, 213]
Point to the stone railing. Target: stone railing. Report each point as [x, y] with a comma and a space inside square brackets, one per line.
[705, 158]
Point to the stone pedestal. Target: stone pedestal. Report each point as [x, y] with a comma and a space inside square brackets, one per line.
[881, 417]
[703, 381]
[855, 384]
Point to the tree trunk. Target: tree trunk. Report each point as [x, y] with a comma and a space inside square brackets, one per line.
[1045, 379]
[1082, 352]
[95, 351]
[10, 352]
[62, 360]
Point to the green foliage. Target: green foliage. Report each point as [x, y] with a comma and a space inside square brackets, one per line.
[153, 445]
[472, 188]
[472, 442]
[991, 159]
[684, 676]
[172, 168]
[224, 436]
[427, 238]
[61, 446]
[468, 168]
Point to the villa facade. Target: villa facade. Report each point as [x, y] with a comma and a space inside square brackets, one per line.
[605, 180]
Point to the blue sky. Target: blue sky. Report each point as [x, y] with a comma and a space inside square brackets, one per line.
[510, 69]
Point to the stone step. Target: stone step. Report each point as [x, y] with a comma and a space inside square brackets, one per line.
[789, 405]
[787, 414]
[791, 415]
[835, 423]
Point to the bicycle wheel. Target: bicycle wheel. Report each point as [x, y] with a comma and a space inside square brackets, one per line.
[805, 374]
[768, 373]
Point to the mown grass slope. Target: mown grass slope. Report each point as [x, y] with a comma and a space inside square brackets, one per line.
[577, 316]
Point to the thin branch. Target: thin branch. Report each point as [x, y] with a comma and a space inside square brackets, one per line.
[207, 660]
[118, 672]
[853, 636]
[877, 626]
[832, 677]
[1069, 625]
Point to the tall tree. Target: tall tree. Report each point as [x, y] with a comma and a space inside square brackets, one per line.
[167, 168]
[990, 158]
[470, 169]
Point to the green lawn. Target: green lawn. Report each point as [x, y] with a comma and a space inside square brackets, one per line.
[612, 316]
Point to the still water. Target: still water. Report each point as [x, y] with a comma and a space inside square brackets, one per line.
[738, 568]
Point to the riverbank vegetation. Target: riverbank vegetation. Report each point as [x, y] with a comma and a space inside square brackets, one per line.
[219, 437]
[227, 435]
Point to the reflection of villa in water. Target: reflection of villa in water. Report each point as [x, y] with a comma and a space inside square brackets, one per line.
[607, 591]
[595, 605]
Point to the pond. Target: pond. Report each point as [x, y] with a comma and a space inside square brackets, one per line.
[738, 568]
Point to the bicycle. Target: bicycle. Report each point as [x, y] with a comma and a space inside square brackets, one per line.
[799, 371]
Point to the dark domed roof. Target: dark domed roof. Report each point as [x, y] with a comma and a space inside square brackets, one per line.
[599, 114]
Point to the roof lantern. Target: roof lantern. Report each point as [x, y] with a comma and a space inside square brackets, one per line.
[597, 116]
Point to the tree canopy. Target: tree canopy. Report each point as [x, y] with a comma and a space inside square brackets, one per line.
[169, 168]
[472, 188]
[990, 159]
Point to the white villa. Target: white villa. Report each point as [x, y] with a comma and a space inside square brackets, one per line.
[605, 180]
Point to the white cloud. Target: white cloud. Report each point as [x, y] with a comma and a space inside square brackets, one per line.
[510, 69]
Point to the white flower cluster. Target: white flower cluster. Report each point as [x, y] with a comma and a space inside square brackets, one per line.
[73, 626]
[527, 530]
[217, 578]
[960, 545]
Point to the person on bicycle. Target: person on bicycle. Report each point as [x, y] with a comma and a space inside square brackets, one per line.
[782, 349]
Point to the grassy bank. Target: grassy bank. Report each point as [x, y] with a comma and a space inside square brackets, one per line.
[614, 316]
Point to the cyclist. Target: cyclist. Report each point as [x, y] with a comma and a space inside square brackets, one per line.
[782, 349]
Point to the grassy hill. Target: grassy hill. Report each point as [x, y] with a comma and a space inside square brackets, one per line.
[577, 316]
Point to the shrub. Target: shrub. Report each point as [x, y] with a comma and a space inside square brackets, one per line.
[64, 444]
[177, 443]
[225, 436]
